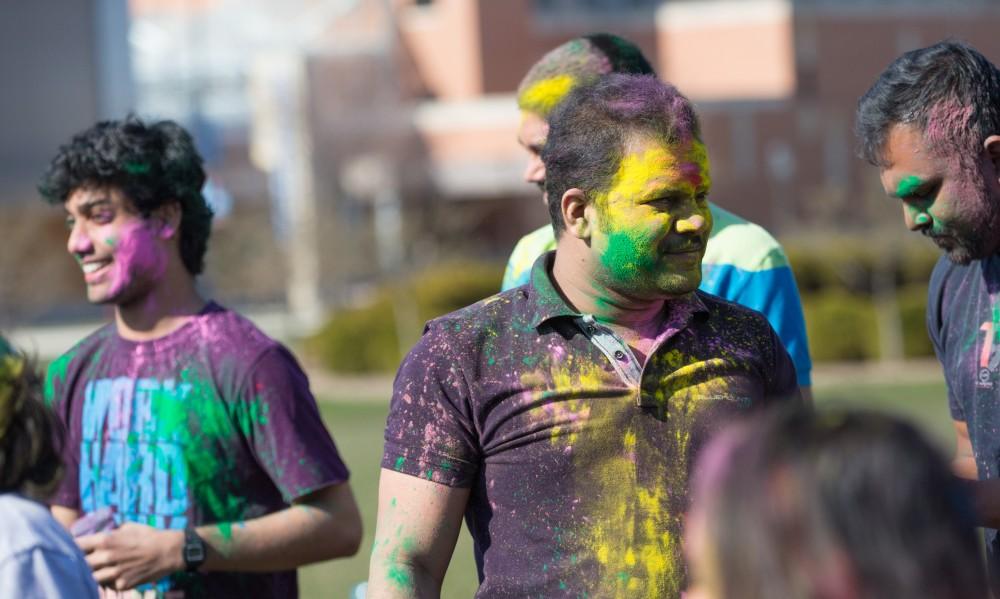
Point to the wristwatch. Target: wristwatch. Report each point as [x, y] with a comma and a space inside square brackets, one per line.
[194, 550]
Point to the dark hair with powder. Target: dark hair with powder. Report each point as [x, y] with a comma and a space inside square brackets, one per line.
[582, 60]
[948, 91]
[30, 435]
[801, 493]
[589, 132]
[151, 164]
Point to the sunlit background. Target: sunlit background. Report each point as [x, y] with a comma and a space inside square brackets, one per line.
[365, 173]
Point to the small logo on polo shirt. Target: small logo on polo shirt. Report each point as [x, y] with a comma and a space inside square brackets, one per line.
[989, 357]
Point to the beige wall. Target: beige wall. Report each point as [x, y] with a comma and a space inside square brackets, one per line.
[443, 41]
[717, 50]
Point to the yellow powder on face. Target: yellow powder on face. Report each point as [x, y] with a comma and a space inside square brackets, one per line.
[661, 166]
[543, 96]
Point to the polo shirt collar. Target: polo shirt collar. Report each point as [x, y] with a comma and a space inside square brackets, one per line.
[549, 304]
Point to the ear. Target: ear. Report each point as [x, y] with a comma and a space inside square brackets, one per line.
[575, 214]
[168, 219]
[992, 146]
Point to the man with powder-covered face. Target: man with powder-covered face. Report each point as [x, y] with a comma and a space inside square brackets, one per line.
[561, 417]
[197, 463]
[931, 124]
[743, 262]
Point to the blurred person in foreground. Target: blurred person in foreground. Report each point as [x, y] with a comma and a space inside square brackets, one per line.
[38, 558]
[829, 505]
[743, 262]
[560, 416]
[931, 124]
[197, 431]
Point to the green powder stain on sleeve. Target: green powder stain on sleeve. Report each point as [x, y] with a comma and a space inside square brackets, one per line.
[56, 373]
[399, 462]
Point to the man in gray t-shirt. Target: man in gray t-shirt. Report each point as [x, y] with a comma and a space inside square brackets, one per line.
[931, 124]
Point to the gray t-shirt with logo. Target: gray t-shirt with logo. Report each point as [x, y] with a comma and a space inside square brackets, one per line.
[963, 320]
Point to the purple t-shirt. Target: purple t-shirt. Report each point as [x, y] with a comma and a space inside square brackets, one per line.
[211, 424]
[577, 457]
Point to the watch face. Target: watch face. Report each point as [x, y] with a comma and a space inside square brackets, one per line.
[194, 550]
[194, 553]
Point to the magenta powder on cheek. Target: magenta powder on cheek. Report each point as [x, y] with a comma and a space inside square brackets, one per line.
[137, 255]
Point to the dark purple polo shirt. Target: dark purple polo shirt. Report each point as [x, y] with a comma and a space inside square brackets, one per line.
[576, 456]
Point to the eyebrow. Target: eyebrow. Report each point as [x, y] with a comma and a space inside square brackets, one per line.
[670, 189]
[88, 205]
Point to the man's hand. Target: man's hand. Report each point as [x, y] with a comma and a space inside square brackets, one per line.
[133, 554]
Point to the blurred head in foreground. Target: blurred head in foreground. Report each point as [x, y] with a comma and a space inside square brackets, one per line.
[30, 435]
[829, 505]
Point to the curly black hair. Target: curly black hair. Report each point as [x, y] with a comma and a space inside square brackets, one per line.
[31, 437]
[152, 164]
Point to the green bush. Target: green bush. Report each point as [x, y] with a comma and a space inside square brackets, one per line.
[912, 307]
[841, 326]
[365, 339]
[843, 263]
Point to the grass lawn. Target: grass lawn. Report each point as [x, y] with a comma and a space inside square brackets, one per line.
[357, 428]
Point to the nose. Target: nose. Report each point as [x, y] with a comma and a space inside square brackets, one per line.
[79, 242]
[692, 224]
[535, 171]
[915, 219]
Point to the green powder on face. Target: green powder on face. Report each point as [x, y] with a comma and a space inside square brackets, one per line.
[908, 186]
[628, 255]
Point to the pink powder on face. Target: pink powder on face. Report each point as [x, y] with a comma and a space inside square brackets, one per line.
[138, 255]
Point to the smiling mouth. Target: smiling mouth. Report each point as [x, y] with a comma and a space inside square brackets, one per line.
[93, 268]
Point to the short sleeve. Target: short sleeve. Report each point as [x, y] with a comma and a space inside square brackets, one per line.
[773, 293]
[41, 573]
[430, 431]
[935, 329]
[57, 391]
[280, 418]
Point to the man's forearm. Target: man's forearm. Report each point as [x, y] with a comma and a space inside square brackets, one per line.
[301, 534]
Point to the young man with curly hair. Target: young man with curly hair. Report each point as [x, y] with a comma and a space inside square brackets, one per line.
[197, 431]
